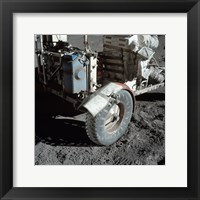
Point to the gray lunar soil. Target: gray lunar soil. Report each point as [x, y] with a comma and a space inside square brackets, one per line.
[64, 142]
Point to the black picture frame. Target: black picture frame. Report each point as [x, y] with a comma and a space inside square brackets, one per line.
[8, 7]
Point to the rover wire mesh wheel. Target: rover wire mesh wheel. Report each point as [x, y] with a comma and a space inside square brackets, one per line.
[112, 122]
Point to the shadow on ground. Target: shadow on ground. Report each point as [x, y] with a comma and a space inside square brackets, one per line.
[62, 132]
[151, 97]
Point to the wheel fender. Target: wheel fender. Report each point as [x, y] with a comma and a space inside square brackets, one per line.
[102, 97]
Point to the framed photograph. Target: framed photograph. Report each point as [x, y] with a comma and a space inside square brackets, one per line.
[90, 129]
[99, 99]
